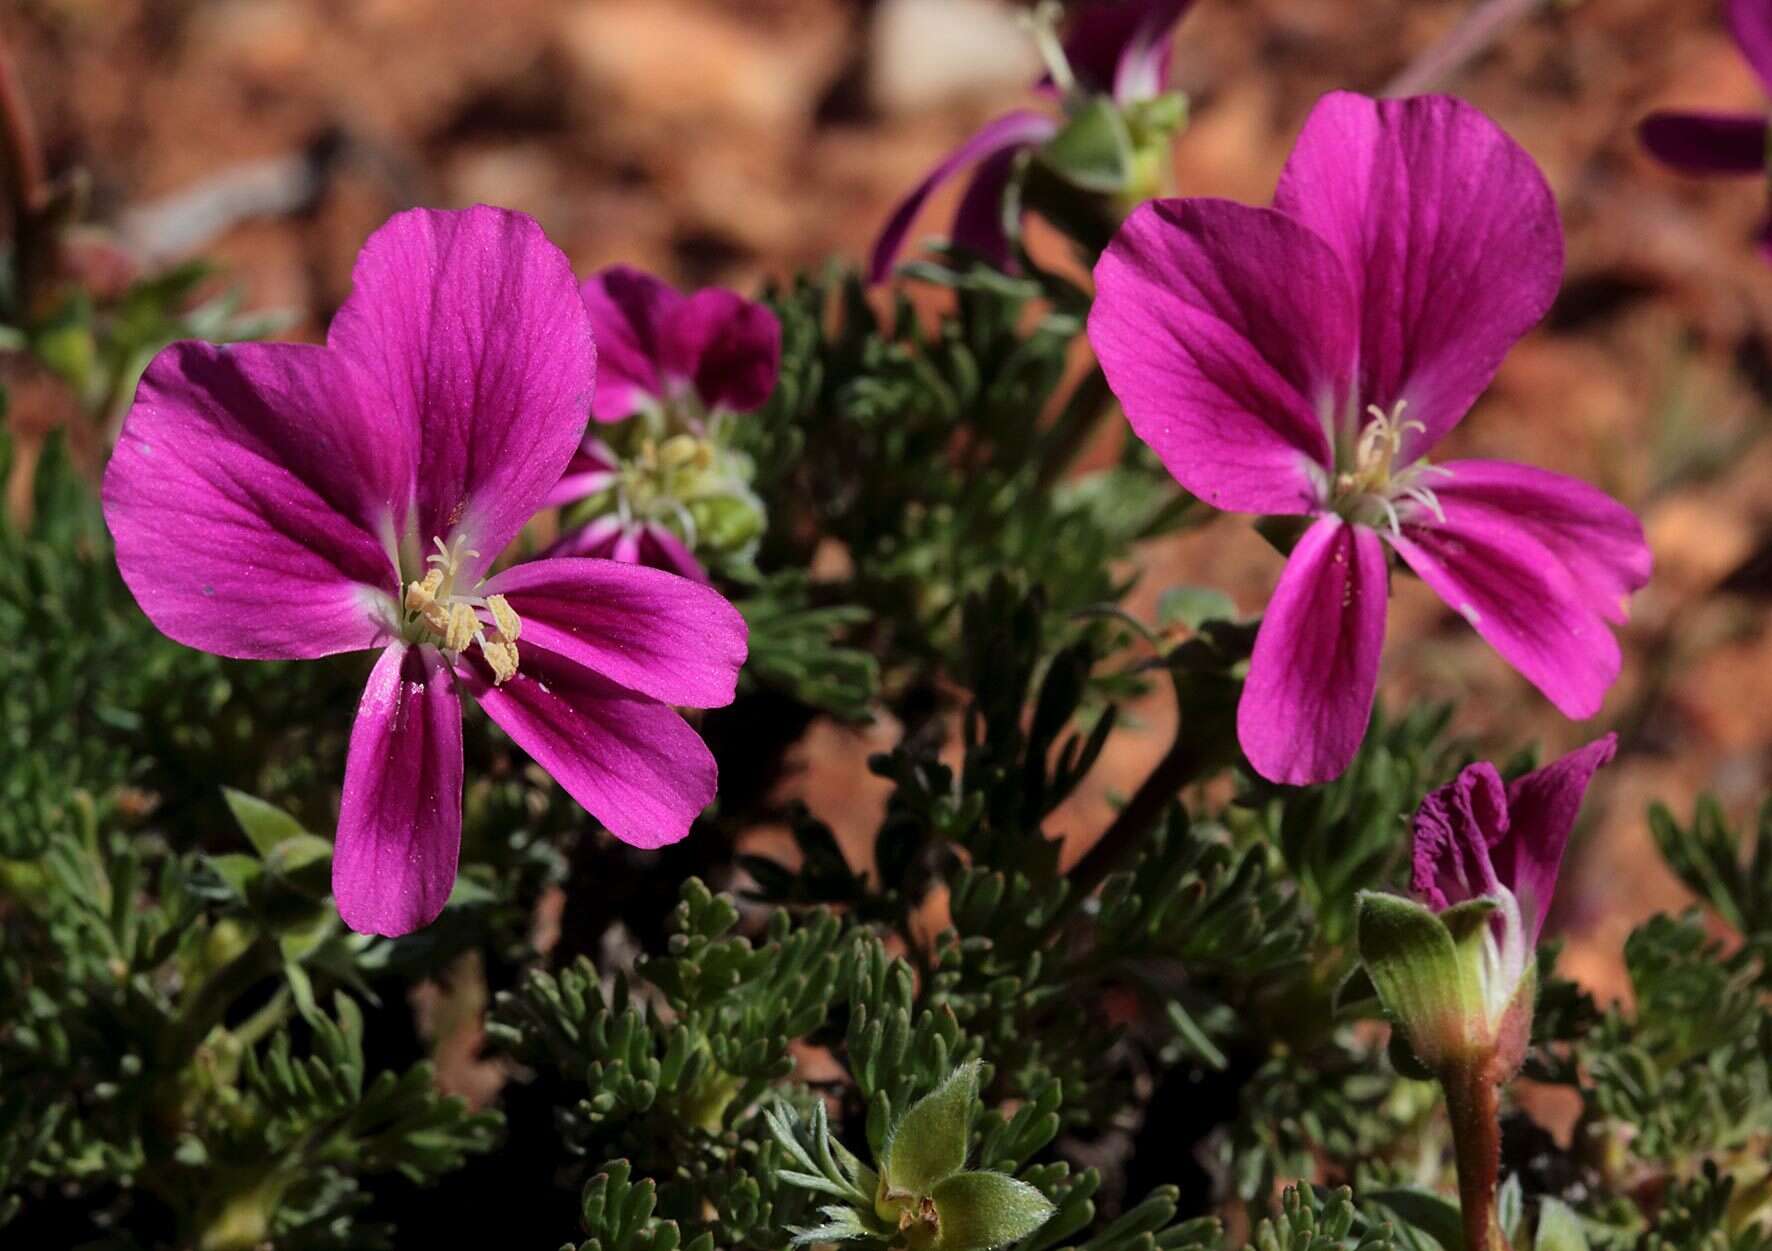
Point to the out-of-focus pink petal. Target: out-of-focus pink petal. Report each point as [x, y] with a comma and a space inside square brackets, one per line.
[1021, 129]
[1228, 334]
[1124, 46]
[1542, 808]
[248, 497]
[631, 761]
[1514, 591]
[651, 631]
[629, 310]
[399, 825]
[726, 347]
[591, 469]
[1706, 143]
[1597, 539]
[1314, 672]
[1449, 234]
[979, 224]
[1750, 21]
[1453, 831]
[648, 543]
[472, 323]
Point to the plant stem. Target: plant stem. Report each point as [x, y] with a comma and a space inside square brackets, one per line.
[1482, 26]
[1176, 769]
[1473, 1101]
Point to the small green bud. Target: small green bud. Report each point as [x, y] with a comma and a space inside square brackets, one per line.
[1429, 981]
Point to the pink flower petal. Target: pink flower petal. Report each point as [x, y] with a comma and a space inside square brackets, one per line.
[247, 496]
[1542, 807]
[399, 825]
[1314, 671]
[1452, 834]
[981, 225]
[1021, 129]
[628, 309]
[1124, 46]
[593, 468]
[1493, 571]
[631, 761]
[1227, 333]
[472, 323]
[651, 631]
[1449, 233]
[1597, 539]
[1706, 143]
[726, 347]
[1750, 21]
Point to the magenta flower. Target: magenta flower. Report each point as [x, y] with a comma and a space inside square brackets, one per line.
[1116, 48]
[1302, 360]
[1722, 143]
[714, 349]
[625, 535]
[284, 501]
[680, 363]
[1478, 837]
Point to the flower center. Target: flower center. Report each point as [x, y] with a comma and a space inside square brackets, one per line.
[1369, 489]
[438, 613]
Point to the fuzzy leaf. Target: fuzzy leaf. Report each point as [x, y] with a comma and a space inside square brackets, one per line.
[930, 1142]
[984, 1210]
[1559, 1229]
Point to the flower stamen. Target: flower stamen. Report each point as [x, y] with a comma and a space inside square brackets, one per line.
[439, 615]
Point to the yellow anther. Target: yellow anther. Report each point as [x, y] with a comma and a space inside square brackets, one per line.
[462, 626]
[422, 595]
[510, 626]
[503, 659]
[679, 450]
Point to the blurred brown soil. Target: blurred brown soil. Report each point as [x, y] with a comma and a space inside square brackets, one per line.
[732, 141]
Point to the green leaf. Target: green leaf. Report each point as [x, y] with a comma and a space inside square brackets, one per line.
[1559, 1229]
[1433, 1214]
[983, 1210]
[1094, 150]
[1426, 989]
[1194, 606]
[930, 1142]
[266, 825]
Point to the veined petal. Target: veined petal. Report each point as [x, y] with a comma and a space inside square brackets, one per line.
[726, 347]
[1750, 21]
[1229, 335]
[1021, 129]
[1706, 143]
[629, 310]
[1543, 806]
[650, 631]
[1597, 539]
[472, 323]
[1449, 234]
[631, 761]
[249, 496]
[399, 825]
[1314, 672]
[649, 543]
[1494, 572]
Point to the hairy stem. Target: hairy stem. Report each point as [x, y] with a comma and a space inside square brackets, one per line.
[1473, 1101]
